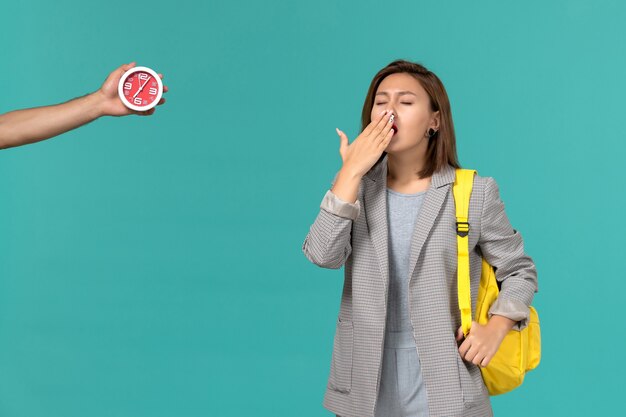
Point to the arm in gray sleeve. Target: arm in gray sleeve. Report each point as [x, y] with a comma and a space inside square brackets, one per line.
[328, 242]
[503, 248]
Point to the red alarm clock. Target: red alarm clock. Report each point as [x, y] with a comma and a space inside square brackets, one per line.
[140, 88]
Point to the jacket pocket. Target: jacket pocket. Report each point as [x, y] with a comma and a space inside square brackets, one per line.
[341, 363]
[472, 384]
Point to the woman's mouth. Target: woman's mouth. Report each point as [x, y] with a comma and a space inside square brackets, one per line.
[394, 128]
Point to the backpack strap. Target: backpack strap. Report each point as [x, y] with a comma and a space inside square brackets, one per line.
[462, 191]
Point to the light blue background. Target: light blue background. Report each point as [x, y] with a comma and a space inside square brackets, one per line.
[153, 267]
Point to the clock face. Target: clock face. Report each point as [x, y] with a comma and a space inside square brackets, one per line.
[140, 88]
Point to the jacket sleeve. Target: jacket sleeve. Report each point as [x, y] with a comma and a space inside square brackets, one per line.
[503, 248]
[328, 242]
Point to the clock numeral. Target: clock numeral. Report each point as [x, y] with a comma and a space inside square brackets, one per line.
[152, 91]
[143, 76]
[128, 86]
[137, 101]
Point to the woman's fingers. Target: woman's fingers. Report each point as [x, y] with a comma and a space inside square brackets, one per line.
[465, 347]
[387, 128]
[475, 355]
[368, 130]
[485, 361]
[470, 354]
[385, 142]
[382, 127]
[343, 141]
[478, 358]
[459, 332]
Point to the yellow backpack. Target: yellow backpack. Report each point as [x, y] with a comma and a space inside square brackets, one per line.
[520, 351]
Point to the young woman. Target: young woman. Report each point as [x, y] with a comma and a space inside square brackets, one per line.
[390, 219]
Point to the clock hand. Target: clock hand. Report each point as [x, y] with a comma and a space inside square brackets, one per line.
[141, 88]
[144, 84]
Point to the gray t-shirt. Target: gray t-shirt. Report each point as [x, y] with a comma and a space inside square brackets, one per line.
[402, 211]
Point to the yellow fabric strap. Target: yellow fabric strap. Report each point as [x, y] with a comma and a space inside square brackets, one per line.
[462, 191]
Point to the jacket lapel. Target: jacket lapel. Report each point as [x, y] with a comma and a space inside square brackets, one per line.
[375, 196]
[433, 202]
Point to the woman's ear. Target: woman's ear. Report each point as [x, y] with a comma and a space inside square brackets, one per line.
[436, 120]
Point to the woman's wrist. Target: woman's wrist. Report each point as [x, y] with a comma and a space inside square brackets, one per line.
[349, 173]
[346, 185]
[501, 324]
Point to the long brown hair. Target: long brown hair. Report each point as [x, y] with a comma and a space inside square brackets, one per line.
[441, 148]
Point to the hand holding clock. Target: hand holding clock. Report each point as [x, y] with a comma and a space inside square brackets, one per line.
[21, 127]
[112, 102]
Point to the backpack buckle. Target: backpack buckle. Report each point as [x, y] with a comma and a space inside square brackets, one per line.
[462, 228]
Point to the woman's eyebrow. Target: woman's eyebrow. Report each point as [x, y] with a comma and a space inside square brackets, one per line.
[400, 93]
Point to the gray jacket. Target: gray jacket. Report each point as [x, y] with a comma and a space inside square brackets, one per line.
[355, 235]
